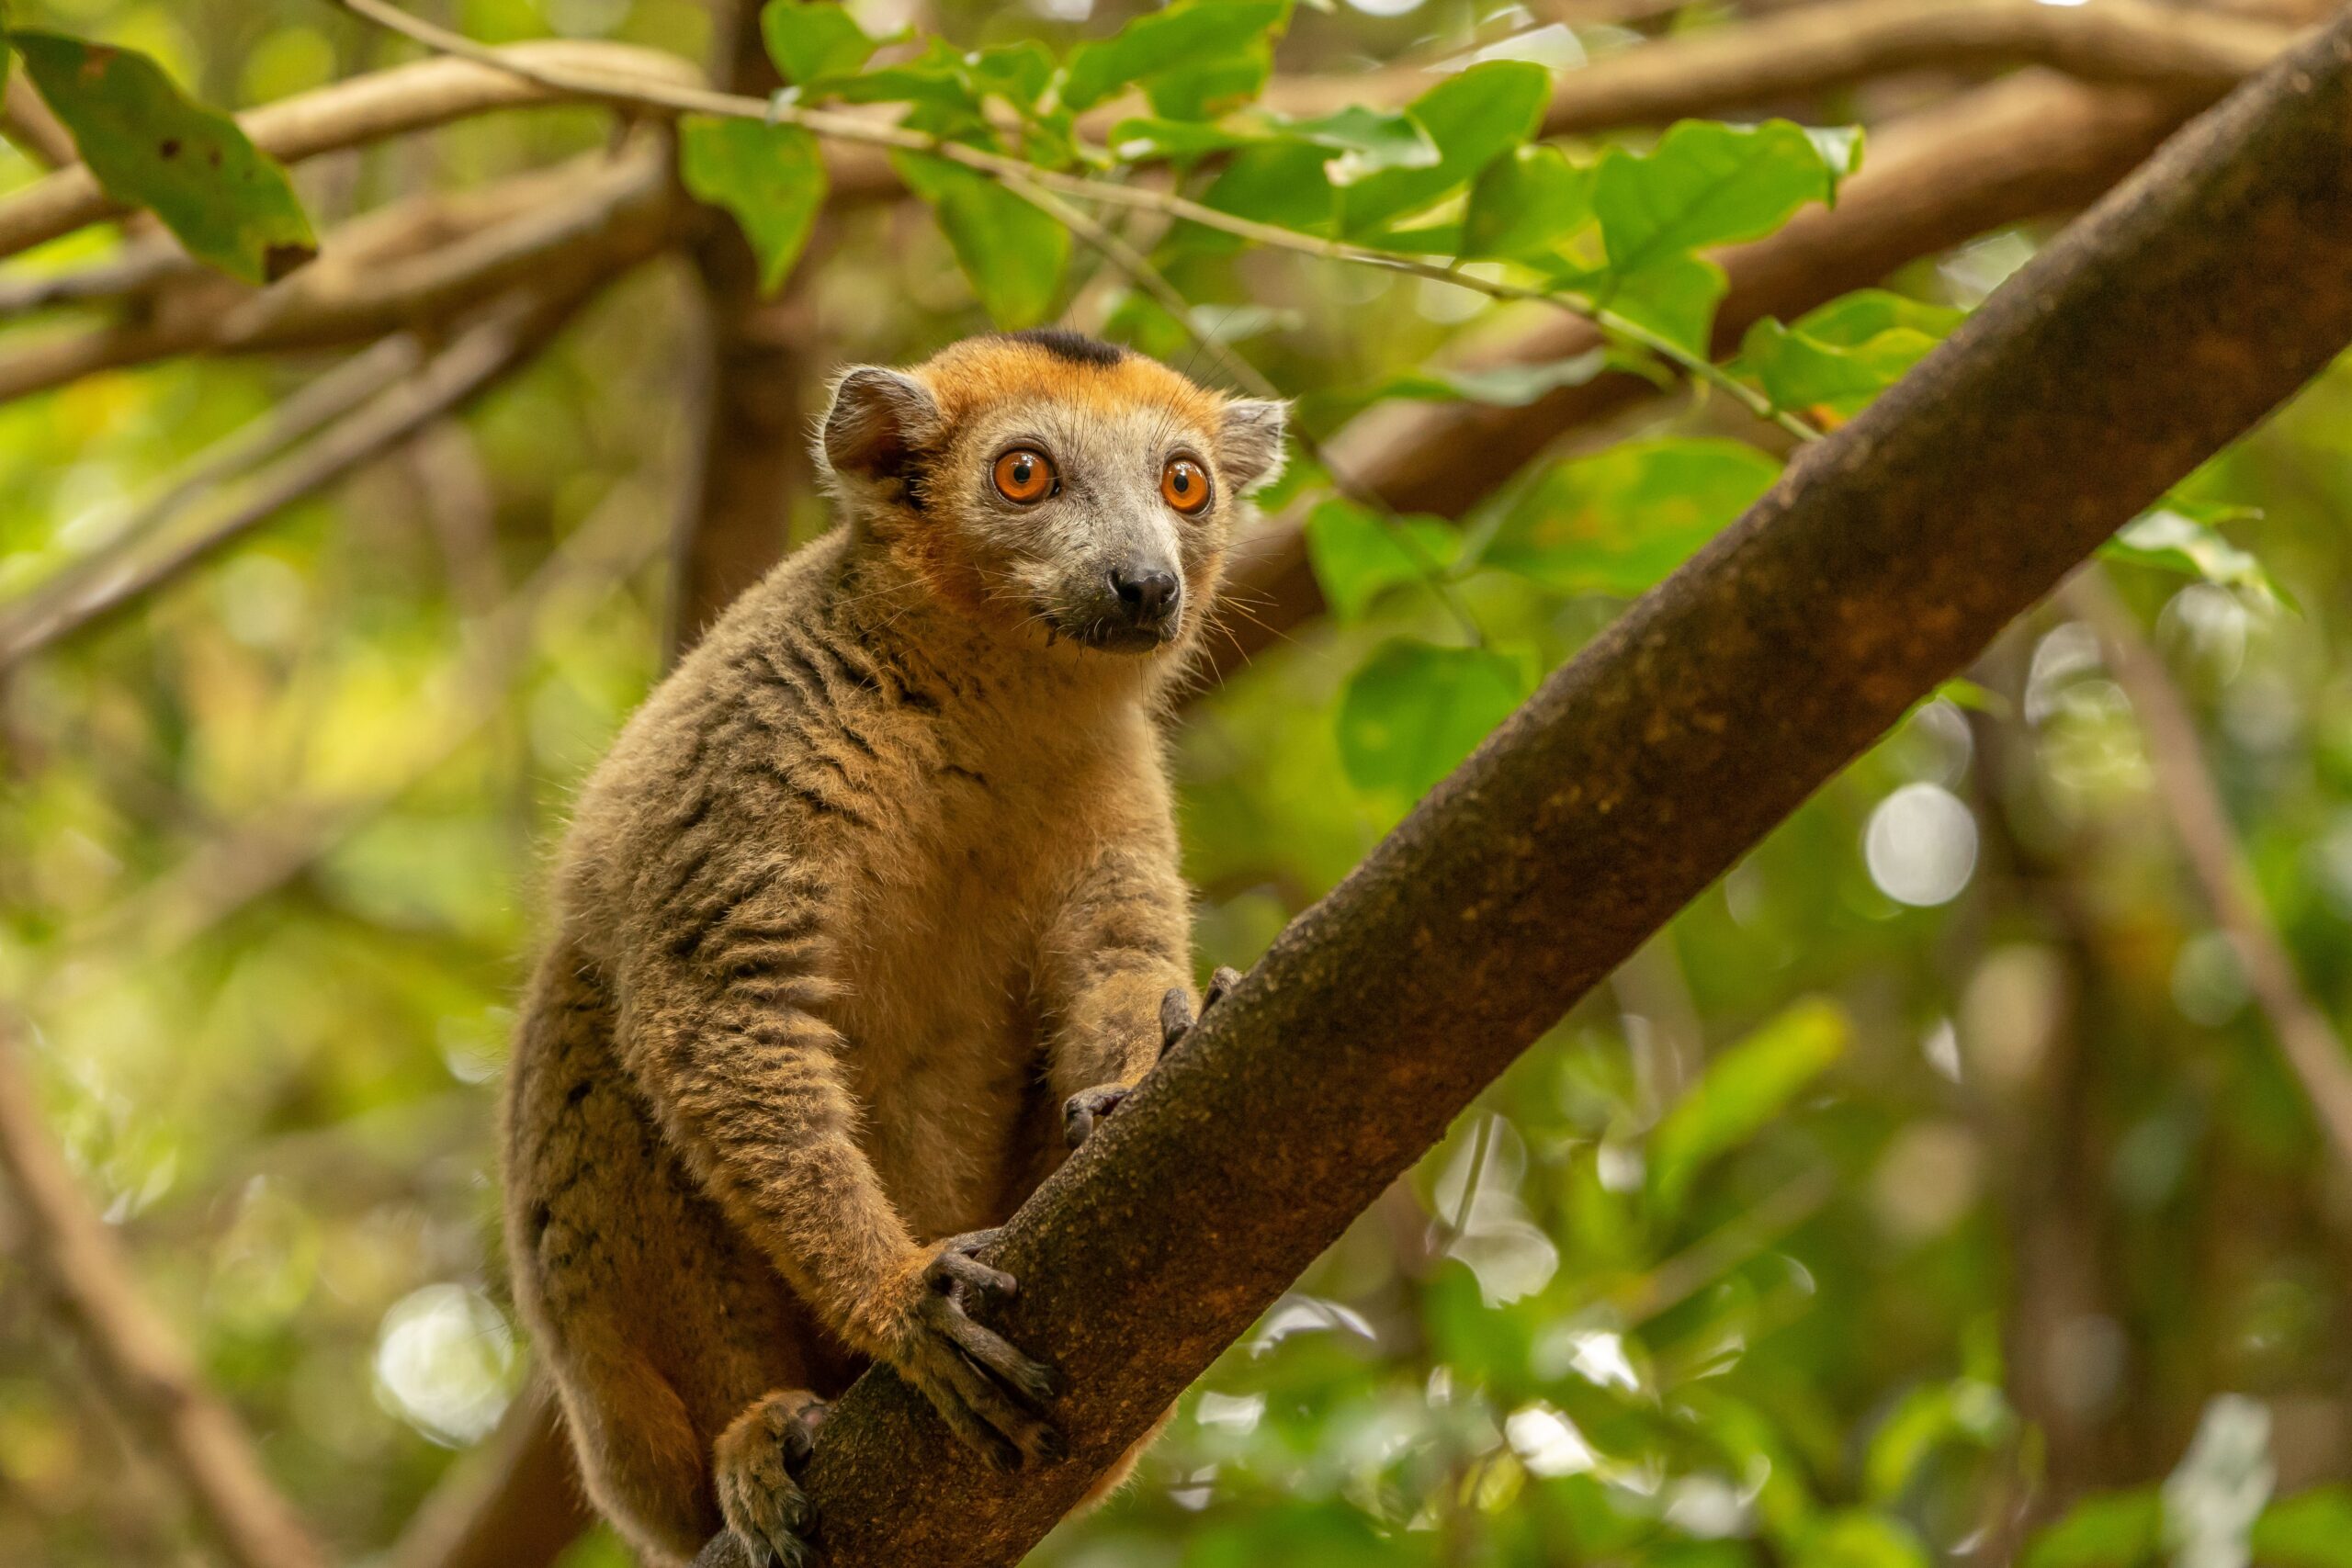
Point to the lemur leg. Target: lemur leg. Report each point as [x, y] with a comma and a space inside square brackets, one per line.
[758, 1462]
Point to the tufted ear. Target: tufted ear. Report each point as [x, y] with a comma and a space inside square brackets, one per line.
[1251, 442]
[880, 420]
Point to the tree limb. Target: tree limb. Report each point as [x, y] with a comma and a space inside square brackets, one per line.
[105, 583]
[2313, 1050]
[149, 1378]
[2019, 148]
[414, 97]
[32, 125]
[599, 221]
[2182, 310]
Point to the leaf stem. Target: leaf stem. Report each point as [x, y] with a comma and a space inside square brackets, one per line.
[641, 93]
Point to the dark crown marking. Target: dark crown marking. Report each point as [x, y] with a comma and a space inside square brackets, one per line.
[1074, 347]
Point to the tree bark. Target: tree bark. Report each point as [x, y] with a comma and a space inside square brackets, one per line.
[755, 442]
[2182, 310]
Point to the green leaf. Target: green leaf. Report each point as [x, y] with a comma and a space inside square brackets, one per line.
[812, 39]
[1845, 354]
[1618, 522]
[1703, 185]
[771, 177]
[1368, 141]
[1500, 386]
[1963, 1411]
[149, 146]
[1746, 1088]
[1855, 1538]
[2120, 1531]
[1283, 183]
[1473, 118]
[939, 84]
[1145, 138]
[1525, 203]
[1017, 73]
[1674, 295]
[1415, 710]
[2310, 1529]
[1358, 555]
[1012, 253]
[2170, 539]
[1192, 41]
[1214, 87]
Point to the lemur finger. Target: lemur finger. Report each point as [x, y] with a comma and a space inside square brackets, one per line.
[1003, 1412]
[973, 1432]
[1082, 1109]
[1175, 1018]
[1221, 986]
[1033, 1381]
[799, 1440]
[950, 1268]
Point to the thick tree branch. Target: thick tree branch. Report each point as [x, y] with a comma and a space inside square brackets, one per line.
[147, 1377]
[2030, 145]
[2181, 310]
[2313, 1050]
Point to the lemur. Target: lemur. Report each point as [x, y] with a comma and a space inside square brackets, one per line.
[882, 878]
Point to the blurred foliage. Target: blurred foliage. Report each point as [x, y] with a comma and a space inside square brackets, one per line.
[1929, 1192]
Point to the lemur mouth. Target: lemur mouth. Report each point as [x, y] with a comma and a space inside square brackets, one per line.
[1105, 635]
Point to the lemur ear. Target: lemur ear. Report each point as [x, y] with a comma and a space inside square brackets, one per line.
[1250, 442]
[878, 420]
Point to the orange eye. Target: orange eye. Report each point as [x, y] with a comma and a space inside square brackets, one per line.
[1184, 485]
[1024, 475]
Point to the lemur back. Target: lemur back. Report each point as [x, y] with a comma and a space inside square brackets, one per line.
[873, 908]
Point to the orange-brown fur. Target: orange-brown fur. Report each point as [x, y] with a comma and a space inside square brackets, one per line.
[878, 878]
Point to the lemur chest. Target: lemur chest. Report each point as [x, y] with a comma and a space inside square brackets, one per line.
[946, 894]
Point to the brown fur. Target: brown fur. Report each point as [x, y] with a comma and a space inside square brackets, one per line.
[883, 873]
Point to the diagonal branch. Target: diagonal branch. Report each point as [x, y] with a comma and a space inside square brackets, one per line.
[104, 584]
[2182, 310]
[148, 1376]
[2313, 1050]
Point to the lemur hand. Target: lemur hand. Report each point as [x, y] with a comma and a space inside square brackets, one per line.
[990, 1395]
[1082, 1110]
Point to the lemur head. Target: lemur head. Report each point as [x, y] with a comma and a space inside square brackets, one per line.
[1051, 487]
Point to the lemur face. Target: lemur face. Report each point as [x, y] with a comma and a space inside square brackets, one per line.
[1054, 487]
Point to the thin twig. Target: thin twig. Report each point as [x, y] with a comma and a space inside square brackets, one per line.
[2185, 787]
[836, 126]
[416, 96]
[317, 404]
[95, 589]
[33, 125]
[599, 220]
[272, 847]
[149, 1377]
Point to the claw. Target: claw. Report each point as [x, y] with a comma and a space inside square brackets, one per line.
[1176, 1016]
[991, 1396]
[1082, 1109]
[955, 1264]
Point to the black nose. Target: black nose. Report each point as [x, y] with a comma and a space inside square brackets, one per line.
[1147, 593]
